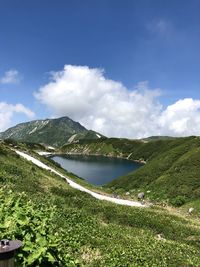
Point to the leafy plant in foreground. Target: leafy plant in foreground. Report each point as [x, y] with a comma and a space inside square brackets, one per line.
[33, 225]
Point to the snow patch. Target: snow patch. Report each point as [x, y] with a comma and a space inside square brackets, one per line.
[32, 131]
[51, 147]
[41, 123]
[10, 135]
[79, 187]
[44, 122]
[99, 136]
[44, 153]
[71, 139]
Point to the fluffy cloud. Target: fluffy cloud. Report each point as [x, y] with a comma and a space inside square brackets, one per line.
[11, 77]
[7, 111]
[107, 106]
[181, 118]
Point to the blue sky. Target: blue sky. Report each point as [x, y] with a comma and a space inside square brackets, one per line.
[133, 41]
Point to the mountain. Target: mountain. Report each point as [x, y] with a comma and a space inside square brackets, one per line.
[52, 132]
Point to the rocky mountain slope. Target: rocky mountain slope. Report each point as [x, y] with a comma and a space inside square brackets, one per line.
[53, 132]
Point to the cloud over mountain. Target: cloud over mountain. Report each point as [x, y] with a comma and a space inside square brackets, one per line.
[107, 106]
[7, 111]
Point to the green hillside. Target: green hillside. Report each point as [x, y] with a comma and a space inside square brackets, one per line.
[60, 226]
[158, 137]
[172, 169]
[53, 132]
[172, 173]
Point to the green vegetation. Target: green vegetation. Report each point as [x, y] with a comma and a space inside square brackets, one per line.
[172, 168]
[158, 137]
[34, 224]
[60, 226]
[171, 172]
[53, 132]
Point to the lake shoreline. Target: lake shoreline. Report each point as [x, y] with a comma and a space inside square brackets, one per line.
[95, 169]
[49, 154]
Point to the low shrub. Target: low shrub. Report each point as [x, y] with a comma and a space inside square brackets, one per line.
[178, 201]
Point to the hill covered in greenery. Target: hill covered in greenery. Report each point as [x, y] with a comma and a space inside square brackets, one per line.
[171, 172]
[53, 132]
[60, 226]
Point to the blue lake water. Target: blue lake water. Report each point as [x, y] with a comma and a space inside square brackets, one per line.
[96, 170]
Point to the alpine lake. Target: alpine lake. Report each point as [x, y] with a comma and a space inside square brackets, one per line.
[96, 170]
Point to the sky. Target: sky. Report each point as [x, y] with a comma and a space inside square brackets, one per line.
[124, 68]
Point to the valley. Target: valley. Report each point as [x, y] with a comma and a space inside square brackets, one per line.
[100, 133]
[91, 228]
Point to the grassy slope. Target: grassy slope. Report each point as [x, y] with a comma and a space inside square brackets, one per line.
[100, 233]
[172, 168]
[173, 172]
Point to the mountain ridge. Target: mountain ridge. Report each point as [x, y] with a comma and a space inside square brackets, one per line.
[53, 132]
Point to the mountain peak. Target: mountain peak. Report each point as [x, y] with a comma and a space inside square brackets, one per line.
[53, 132]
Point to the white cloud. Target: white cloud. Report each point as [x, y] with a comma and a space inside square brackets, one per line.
[7, 111]
[107, 106]
[11, 76]
[181, 118]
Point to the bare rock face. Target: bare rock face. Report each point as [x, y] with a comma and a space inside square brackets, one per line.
[141, 196]
[190, 210]
[160, 237]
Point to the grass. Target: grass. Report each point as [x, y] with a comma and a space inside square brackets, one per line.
[171, 172]
[86, 231]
